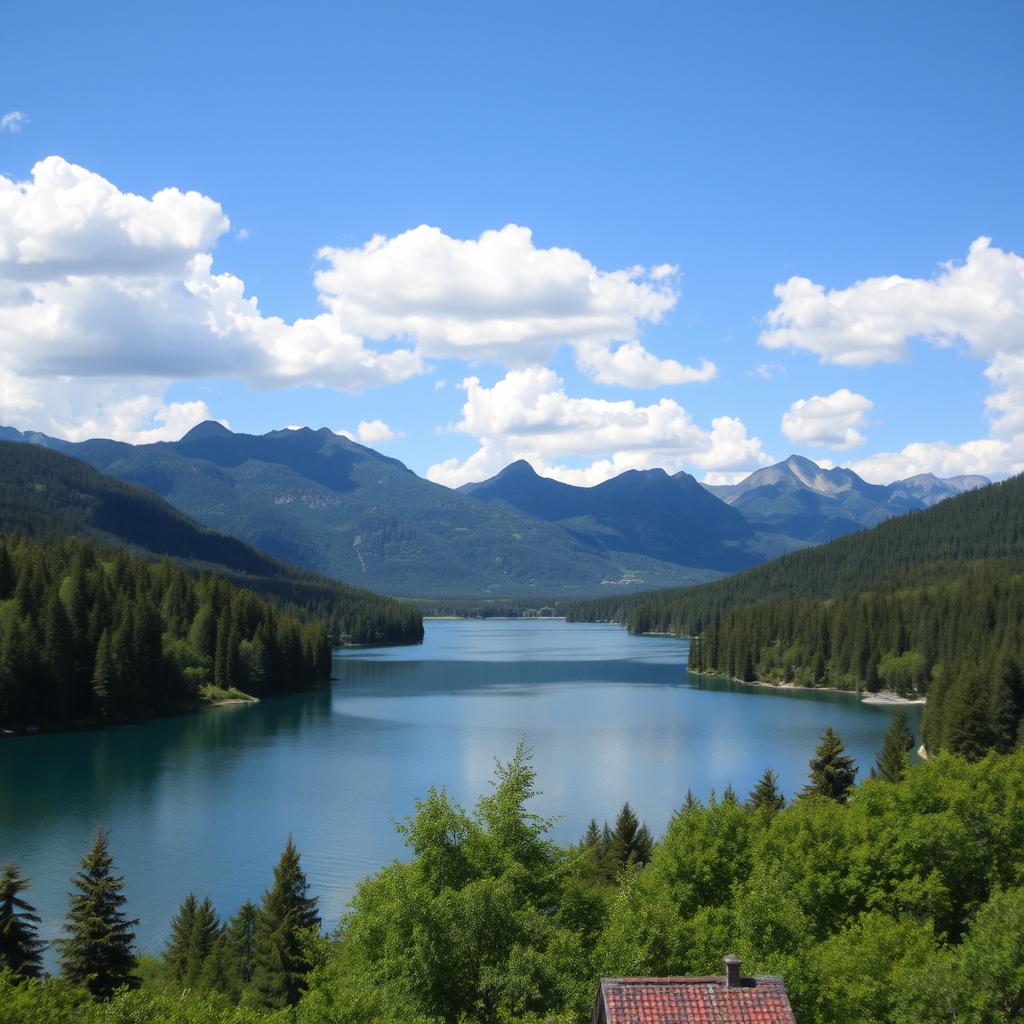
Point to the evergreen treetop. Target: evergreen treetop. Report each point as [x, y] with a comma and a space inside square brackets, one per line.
[98, 951]
[21, 950]
[832, 772]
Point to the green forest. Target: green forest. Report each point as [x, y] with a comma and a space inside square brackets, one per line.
[928, 604]
[900, 899]
[90, 634]
[46, 493]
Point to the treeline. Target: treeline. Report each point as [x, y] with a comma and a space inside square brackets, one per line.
[895, 901]
[93, 634]
[961, 644]
[490, 607]
[47, 493]
[211, 970]
[930, 604]
[917, 549]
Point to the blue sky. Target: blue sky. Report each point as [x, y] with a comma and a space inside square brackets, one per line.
[743, 144]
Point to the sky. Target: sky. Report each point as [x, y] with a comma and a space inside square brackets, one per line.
[599, 236]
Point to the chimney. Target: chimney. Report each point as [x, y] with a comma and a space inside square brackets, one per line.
[732, 971]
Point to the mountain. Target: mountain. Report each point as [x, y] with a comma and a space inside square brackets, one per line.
[48, 492]
[801, 499]
[321, 501]
[928, 603]
[672, 518]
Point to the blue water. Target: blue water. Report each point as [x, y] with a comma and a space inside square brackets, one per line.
[205, 802]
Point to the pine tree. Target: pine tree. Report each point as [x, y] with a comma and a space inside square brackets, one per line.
[240, 938]
[21, 950]
[176, 954]
[216, 973]
[894, 756]
[98, 950]
[205, 932]
[765, 796]
[103, 677]
[832, 771]
[631, 842]
[1007, 703]
[287, 913]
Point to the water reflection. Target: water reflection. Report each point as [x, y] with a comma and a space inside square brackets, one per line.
[204, 802]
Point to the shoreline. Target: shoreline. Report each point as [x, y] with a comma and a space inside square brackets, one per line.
[883, 698]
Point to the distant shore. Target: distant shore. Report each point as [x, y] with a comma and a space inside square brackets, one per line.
[883, 697]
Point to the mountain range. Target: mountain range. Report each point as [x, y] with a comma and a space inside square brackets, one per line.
[806, 502]
[321, 501]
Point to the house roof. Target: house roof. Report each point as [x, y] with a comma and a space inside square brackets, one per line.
[760, 1000]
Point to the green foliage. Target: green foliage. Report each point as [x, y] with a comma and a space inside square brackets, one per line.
[55, 1002]
[93, 635]
[832, 771]
[284, 925]
[765, 796]
[21, 950]
[902, 905]
[98, 951]
[894, 757]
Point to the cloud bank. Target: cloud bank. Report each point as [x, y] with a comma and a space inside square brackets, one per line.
[977, 304]
[109, 296]
[528, 415]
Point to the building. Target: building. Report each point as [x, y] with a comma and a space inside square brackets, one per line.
[729, 999]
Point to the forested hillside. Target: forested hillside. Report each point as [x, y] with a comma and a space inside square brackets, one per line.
[46, 492]
[932, 603]
[90, 634]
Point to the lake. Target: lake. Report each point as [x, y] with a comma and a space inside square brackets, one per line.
[205, 802]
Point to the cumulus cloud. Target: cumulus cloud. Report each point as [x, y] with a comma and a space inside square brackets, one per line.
[99, 283]
[502, 299]
[13, 121]
[988, 456]
[977, 304]
[828, 421]
[376, 431]
[527, 414]
[980, 302]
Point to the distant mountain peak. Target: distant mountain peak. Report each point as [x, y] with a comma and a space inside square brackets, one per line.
[208, 428]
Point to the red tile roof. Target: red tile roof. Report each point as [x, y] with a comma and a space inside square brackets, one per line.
[760, 1000]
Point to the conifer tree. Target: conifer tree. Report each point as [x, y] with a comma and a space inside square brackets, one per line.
[832, 771]
[631, 842]
[103, 677]
[894, 756]
[205, 932]
[240, 940]
[176, 954]
[21, 950]
[286, 915]
[97, 952]
[765, 796]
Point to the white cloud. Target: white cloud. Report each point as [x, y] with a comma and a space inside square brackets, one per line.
[978, 304]
[98, 284]
[631, 365]
[440, 384]
[141, 420]
[988, 457]
[527, 414]
[13, 121]
[768, 370]
[376, 431]
[500, 298]
[828, 421]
